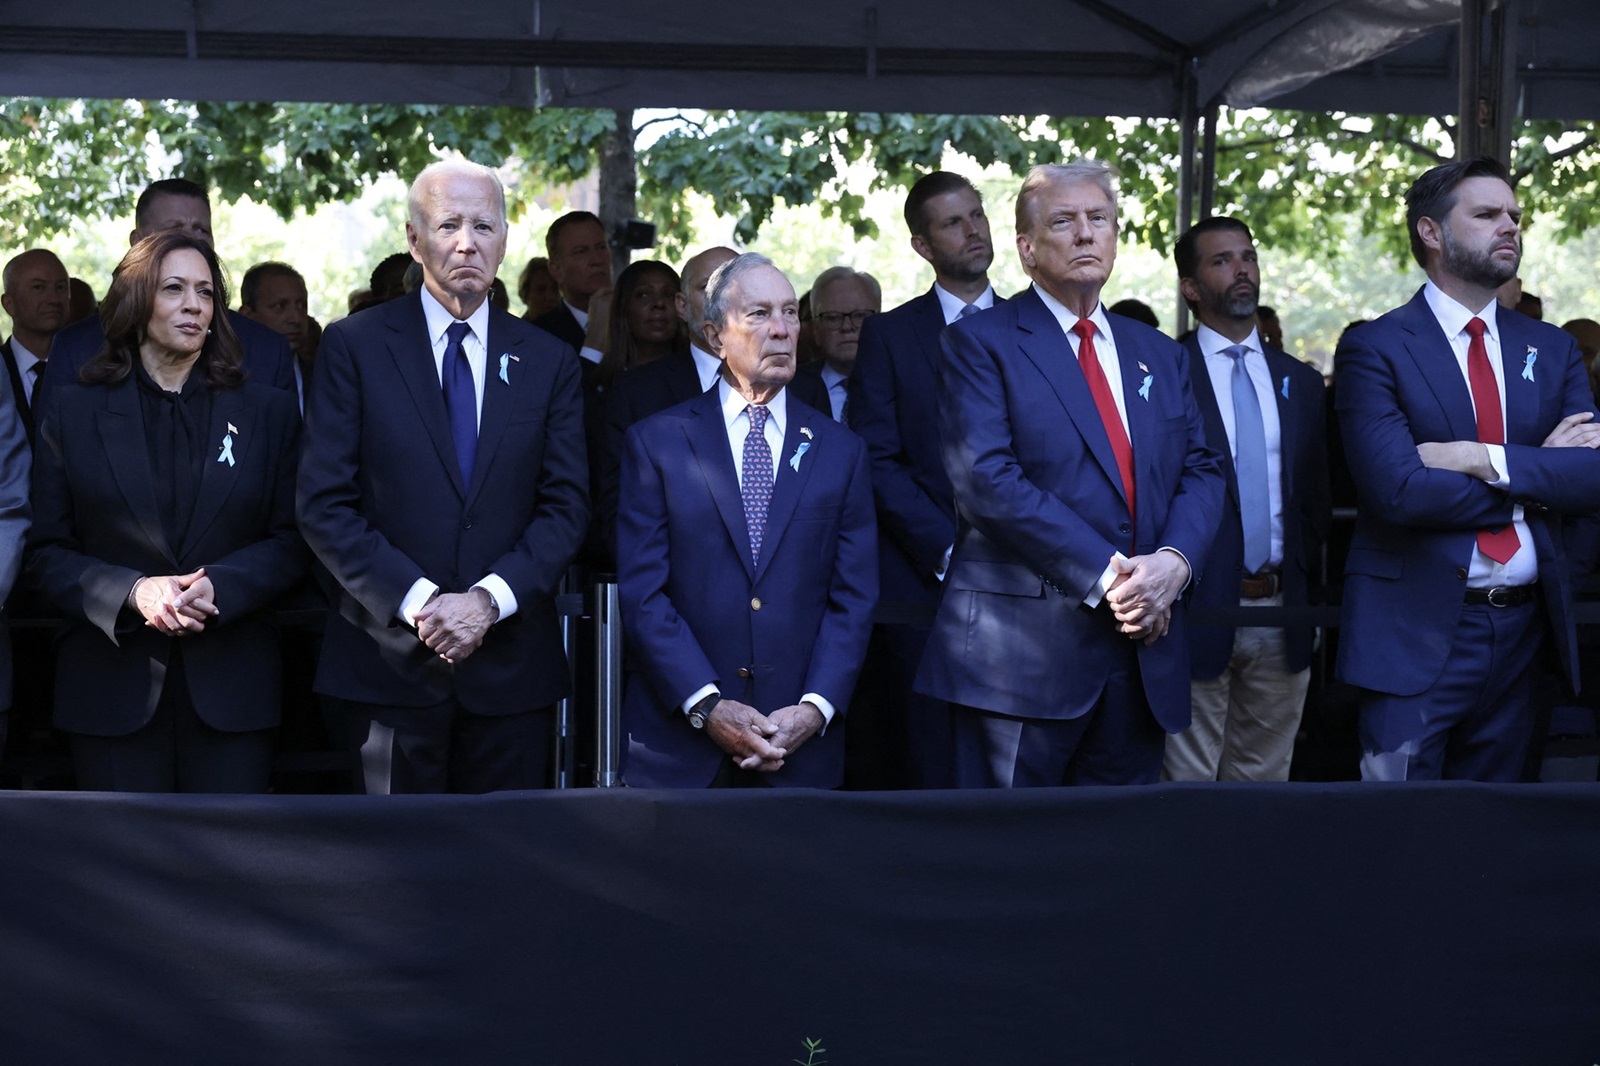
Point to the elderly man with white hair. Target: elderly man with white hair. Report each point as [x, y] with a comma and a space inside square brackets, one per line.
[444, 486]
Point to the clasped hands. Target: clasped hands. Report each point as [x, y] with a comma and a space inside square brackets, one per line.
[175, 604]
[759, 741]
[1472, 458]
[453, 624]
[1142, 594]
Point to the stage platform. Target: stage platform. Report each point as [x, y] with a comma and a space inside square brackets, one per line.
[1287, 925]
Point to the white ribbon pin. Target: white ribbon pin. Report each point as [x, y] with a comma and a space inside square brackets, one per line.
[227, 445]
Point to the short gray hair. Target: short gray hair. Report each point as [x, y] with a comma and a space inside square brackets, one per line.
[450, 165]
[722, 280]
[1045, 175]
[835, 274]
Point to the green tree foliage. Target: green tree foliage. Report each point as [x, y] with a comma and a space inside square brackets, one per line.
[1298, 178]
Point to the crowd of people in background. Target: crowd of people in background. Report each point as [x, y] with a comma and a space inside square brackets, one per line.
[953, 543]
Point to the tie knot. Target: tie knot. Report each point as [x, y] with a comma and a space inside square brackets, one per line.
[1236, 352]
[1084, 329]
[758, 417]
[457, 332]
[967, 309]
[1476, 328]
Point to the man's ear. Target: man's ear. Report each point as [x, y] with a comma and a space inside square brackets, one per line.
[919, 244]
[1431, 233]
[713, 339]
[1025, 249]
[1189, 290]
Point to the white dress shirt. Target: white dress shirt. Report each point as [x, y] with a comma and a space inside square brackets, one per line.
[736, 419]
[838, 390]
[1523, 567]
[594, 355]
[1219, 365]
[952, 305]
[708, 366]
[26, 361]
[475, 345]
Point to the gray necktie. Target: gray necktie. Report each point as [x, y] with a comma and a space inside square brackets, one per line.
[1250, 463]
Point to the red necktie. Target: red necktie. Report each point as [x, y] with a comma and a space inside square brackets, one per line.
[1498, 544]
[1100, 389]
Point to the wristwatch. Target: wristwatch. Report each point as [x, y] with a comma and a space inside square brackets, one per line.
[700, 713]
[494, 604]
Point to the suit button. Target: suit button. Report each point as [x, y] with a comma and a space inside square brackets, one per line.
[1461, 573]
[755, 603]
[744, 671]
[1124, 528]
[467, 522]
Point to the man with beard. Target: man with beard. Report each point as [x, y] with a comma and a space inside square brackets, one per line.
[1263, 410]
[1470, 434]
[906, 740]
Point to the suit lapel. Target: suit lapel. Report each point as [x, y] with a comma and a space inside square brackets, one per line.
[412, 352]
[121, 428]
[928, 326]
[708, 439]
[1205, 397]
[1290, 428]
[500, 397]
[683, 382]
[229, 417]
[788, 484]
[1047, 347]
[1518, 358]
[1437, 368]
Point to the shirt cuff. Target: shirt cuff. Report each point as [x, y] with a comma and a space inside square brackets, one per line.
[594, 355]
[1098, 591]
[495, 586]
[822, 705]
[695, 697]
[1497, 459]
[415, 600]
[1185, 558]
[944, 564]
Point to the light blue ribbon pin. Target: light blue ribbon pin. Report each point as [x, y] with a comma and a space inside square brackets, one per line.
[1286, 386]
[1144, 389]
[1527, 366]
[505, 361]
[794, 460]
[227, 445]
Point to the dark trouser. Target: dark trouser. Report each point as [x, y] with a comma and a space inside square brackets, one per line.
[1476, 721]
[174, 752]
[1116, 743]
[441, 748]
[898, 738]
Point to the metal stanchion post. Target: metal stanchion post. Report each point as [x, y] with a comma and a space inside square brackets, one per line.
[563, 754]
[608, 685]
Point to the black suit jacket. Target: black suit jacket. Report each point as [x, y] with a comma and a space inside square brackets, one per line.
[96, 530]
[382, 503]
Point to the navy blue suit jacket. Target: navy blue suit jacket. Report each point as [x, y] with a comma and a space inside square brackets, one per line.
[1400, 385]
[696, 611]
[894, 407]
[267, 358]
[382, 503]
[96, 530]
[1303, 449]
[1042, 511]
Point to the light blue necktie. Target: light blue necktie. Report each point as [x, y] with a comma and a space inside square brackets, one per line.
[1250, 464]
[968, 309]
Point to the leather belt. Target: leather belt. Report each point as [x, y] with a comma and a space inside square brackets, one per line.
[1503, 595]
[1259, 586]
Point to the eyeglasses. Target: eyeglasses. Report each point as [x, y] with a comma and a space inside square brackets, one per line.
[837, 319]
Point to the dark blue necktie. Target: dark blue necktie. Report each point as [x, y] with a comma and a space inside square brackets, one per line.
[1250, 463]
[460, 399]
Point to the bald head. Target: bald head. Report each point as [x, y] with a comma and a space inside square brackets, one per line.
[692, 297]
[36, 294]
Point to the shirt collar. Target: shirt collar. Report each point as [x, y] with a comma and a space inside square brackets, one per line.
[708, 366]
[25, 358]
[1213, 343]
[580, 314]
[952, 305]
[1453, 317]
[831, 377]
[439, 319]
[733, 406]
[1067, 319]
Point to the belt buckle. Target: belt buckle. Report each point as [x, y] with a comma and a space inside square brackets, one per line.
[1499, 596]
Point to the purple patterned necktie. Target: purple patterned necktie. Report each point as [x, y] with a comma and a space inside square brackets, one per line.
[757, 486]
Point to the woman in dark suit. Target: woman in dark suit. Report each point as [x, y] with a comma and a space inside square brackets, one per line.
[163, 493]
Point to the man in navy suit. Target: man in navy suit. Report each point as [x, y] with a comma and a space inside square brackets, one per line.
[842, 302]
[905, 739]
[1087, 497]
[1263, 411]
[443, 485]
[172, 203]
[1470, 434]
[747, 563]
[580, 261]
